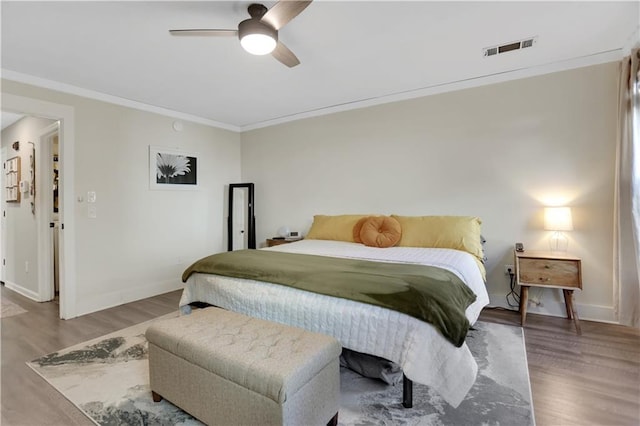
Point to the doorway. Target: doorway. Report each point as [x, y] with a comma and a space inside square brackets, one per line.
[65, 115]
[27, 238]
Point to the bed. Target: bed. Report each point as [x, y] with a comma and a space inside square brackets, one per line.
[422, 352]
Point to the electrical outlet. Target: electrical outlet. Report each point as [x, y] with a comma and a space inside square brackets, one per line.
[508, 268]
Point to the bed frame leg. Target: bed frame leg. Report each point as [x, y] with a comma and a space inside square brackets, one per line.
[407, 392]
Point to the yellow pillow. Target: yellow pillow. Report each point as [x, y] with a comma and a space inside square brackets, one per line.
[336, 228]
[380, 231]
[454, 232]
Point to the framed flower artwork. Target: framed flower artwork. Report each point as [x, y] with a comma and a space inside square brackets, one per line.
[172, 169]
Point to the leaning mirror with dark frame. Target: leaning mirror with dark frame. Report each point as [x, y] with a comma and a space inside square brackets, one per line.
[241, 222]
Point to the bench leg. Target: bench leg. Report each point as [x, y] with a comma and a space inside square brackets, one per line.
[333, 421]
[156, 397]
[407, 392]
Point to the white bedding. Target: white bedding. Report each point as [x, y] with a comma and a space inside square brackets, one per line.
[423, 353]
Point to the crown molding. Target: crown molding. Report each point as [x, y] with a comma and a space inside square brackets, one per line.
[515, 74]
[92, 94]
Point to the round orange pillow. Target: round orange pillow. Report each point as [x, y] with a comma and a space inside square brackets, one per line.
[357, 228]
[380, 231]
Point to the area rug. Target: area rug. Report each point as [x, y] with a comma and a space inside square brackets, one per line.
[107, 379]
[9, 309]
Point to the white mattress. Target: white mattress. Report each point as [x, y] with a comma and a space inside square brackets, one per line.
[423, 353]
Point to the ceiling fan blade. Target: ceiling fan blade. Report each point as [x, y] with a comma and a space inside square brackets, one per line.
[204, 32]
[284, 55]
[283, 12]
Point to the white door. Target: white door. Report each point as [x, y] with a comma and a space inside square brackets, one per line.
[44, 212]
[3, 221]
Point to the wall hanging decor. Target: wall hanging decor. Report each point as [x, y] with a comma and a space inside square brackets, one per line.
[171, 168]
[12, 179]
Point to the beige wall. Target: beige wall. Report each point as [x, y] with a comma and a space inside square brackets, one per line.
[141, 240]
[500, 152]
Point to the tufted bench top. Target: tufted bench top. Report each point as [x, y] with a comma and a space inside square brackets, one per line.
[272, 359]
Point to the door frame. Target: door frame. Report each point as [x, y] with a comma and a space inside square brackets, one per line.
[65, 114]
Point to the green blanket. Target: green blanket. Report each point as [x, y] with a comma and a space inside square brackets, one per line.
[430, 294]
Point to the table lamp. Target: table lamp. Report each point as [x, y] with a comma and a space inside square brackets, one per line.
[558, 219]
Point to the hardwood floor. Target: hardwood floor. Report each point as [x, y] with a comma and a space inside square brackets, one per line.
[593, 379]
[26, 399]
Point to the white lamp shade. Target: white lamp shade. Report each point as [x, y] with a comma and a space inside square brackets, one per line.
[258, 44]
[558, 219]
[257, 37]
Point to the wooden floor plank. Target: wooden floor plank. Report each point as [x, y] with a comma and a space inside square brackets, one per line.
[593, 379]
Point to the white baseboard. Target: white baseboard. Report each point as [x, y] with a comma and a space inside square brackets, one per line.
[33, 295]
[103, 301]
[557, 309]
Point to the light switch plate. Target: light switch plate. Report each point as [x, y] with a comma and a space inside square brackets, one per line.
[91, 197]
[92, 212]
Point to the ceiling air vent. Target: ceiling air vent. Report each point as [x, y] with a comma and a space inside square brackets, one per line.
[508, 47]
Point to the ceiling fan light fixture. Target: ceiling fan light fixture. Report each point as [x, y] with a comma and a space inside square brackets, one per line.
[258, 44]
[256, 37]
[259, 34]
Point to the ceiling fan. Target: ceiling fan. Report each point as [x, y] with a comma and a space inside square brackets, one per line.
[259, 34]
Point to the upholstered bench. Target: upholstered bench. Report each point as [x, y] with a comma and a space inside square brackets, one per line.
[230, 369]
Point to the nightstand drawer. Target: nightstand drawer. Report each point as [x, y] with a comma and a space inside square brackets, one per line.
[552, 272]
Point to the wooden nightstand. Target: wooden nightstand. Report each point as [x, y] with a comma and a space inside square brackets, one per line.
[276, 242]
[552, 270]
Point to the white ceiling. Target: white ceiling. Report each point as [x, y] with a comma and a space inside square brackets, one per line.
[352, 53]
